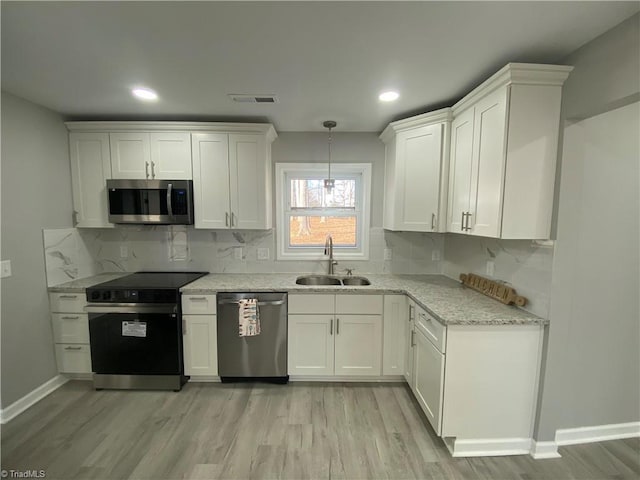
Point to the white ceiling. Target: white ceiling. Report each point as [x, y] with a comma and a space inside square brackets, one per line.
[324, 60]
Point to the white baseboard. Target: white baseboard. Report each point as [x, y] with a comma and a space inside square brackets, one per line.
[598, 433]
[488, 447]
[19, 406]
[540, 450]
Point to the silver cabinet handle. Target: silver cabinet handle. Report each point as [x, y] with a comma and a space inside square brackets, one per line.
[433, 221]
[75, 217]
[226, 219]
[197, 298]
[73, 348]
[153, 169]
[413, 335]
[169, 190]
[70, 318]
[467, 228]
[184, 327]
[411, 312]
[331, 327]
[462, 222]
[146, 169]
[233, 219]
[68, 296]
[337, 326]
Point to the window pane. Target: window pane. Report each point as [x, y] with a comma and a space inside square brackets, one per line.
[310, 193]
[312, 231]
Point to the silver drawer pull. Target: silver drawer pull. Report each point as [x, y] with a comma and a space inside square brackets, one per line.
[68, 296]
[70, 318]
[73, 348]
[197, 298]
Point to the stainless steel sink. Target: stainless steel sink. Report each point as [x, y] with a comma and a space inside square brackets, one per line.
[328, 280]
[317, 280]
[355, 281]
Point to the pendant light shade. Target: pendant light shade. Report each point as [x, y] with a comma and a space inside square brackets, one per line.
[329, 182]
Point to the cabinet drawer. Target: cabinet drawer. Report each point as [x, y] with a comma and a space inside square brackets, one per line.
[68, 302]
[73, 358]
[198, 304]
[359, 304]
[70, 327]
[311, 303]
[432, 328]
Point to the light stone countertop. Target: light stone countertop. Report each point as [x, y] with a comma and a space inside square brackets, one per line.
[446, 299]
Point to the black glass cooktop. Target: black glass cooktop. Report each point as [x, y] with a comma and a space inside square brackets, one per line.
[143, 287]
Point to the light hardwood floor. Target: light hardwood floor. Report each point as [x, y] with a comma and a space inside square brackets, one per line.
[247, 431]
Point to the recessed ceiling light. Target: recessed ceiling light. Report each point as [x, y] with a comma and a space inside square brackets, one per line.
[389, 96]
[144, 93]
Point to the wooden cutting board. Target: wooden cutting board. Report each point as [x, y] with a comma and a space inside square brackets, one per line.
[492, 289]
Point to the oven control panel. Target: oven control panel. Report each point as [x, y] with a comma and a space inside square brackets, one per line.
[101, 295]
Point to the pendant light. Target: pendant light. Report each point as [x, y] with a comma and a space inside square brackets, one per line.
[329, 182]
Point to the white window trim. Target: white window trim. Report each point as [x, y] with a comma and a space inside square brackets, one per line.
[320, 169]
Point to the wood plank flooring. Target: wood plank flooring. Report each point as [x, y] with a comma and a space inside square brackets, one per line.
[260, 431]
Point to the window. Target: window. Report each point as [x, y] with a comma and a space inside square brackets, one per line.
[306, 213]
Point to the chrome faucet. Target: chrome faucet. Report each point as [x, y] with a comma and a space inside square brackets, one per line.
[328, 250]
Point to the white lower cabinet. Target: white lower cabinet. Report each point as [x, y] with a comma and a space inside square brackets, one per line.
[428, 377]
[199, 340]
[335, 335]
[70, 326]
[199, 336]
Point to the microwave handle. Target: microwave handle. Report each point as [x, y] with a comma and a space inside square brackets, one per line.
[169, 206]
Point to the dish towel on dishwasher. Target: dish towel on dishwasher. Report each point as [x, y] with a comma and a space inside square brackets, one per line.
[248, 318]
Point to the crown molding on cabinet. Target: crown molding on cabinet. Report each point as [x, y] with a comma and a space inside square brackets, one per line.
[437, 116]
[212, 127]
[515, 73]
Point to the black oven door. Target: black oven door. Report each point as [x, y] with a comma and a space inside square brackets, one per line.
[135, 340]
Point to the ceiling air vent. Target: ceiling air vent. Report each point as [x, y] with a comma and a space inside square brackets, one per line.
[245, 98]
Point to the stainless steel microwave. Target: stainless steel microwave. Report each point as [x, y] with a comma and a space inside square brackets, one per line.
[160, 202]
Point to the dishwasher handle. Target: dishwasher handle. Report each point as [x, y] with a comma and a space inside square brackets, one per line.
[260, 304]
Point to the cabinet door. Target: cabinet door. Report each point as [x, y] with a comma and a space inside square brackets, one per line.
[250, 179]
[429, 378]
[460, 170]
[310, 344]
[394, 325]
[130, 155]
[418, 170]
[358, 345]
[90, 169]
[200, 345]
[211, 180]
[170, 155]
[409, 348]
[487, 174]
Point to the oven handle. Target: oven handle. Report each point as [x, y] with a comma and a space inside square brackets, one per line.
[131, 308]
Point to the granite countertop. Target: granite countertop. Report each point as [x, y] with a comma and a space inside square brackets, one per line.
[446, 299]
[79, 286]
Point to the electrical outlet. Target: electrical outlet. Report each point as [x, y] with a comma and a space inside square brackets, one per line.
[237, 253]
[5, 268]
[124, 251]
[491, 268]
[263, 254]
[435, 256]
[387, 254]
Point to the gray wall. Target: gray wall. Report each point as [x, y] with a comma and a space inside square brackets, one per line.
[592, 369]
[36, 194]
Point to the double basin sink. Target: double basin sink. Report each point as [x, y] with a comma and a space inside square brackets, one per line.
[331, 280]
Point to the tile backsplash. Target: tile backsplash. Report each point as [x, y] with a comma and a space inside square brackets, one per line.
[134, 248]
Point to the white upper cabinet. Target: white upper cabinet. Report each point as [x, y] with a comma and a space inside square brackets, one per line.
[151, 155]
[416, 167]
[90, 168]
[504, 140]
[232, 180]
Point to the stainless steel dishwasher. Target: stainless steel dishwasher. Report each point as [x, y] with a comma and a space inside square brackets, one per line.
[260, 357]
